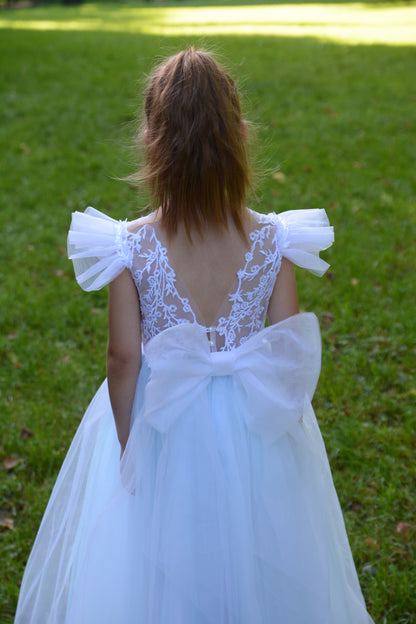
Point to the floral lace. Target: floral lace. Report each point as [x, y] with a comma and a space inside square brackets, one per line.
[163, 305]
[255, 285]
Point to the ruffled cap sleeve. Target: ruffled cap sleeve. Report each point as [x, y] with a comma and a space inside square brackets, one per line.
[302, 234]
[98, 248]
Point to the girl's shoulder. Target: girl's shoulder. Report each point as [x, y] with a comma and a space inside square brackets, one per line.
[259, 218]
[134, 226]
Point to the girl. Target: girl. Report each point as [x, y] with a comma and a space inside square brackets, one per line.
[222, 508]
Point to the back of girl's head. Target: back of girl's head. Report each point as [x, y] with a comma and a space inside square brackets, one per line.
[196, 165]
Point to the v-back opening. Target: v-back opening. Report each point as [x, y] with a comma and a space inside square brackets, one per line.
[183, 288]
[240, 301]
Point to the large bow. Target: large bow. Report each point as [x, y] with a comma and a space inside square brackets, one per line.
[274, 371]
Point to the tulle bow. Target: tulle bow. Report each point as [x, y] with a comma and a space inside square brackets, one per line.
[276, 370]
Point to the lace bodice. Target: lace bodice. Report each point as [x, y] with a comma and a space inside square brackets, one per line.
[165, 300]
[161, 303]
[101, 248]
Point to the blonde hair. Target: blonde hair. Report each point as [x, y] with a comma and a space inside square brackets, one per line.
[196, 167]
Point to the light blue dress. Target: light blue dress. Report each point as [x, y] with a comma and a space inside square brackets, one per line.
[223, 509]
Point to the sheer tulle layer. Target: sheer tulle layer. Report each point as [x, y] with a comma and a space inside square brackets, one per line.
[217, 515]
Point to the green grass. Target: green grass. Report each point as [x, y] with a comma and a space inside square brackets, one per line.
[339, 121]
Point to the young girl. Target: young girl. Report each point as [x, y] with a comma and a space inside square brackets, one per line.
[222, 507]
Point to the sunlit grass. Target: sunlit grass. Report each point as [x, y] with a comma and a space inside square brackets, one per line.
[349, 23]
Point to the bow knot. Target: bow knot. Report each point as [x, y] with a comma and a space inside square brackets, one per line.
[223, 363]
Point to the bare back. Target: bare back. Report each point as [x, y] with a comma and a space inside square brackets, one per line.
[208, 265]
[219, 281]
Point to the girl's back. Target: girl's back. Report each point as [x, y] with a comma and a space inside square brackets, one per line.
[207, 265]
[221, 280]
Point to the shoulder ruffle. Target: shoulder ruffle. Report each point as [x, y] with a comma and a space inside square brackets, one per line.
[97, 246]
[302, 234]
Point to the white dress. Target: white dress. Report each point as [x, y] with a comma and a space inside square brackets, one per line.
[223, 509]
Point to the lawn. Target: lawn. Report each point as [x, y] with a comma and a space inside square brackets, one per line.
[331, 94]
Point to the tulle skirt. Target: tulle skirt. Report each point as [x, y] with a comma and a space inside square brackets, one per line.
[213, 516]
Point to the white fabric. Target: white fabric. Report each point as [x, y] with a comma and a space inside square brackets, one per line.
[196, 365]
[101, 248]
[303, 234]
[224, 510]
[96, 244]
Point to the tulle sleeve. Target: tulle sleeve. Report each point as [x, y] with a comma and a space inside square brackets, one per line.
[302, 234]
[98, 248]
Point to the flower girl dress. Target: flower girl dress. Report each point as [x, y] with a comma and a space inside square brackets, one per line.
[222, 509]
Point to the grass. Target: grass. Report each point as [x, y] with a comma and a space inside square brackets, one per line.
[354, 22]
[338, 120]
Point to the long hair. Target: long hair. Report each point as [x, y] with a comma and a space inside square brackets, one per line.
[197, 167]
